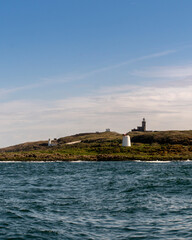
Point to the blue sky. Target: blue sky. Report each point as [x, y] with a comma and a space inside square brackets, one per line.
[70, 66]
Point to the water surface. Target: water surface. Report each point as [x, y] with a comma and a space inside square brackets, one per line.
[96, 200]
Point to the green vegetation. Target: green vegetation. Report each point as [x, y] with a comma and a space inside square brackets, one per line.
[168, 145]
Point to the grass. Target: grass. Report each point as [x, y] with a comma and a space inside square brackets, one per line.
[169, 145]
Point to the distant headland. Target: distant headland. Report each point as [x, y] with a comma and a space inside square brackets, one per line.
[106, 146]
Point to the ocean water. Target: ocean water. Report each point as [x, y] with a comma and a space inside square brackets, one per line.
[96, 200]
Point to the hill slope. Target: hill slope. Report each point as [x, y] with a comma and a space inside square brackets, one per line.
[163, 137]
[167, 145]
[61, 142]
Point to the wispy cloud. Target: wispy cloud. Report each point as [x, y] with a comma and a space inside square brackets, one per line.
[69, 78]
[164, 108]
[6, 91]
[165, 72]
[142, 58]
[72, 77]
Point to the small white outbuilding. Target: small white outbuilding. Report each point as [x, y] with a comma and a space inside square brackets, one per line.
[49, 143]
[126, 141]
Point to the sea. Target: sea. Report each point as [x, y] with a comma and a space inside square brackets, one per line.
[95, 200]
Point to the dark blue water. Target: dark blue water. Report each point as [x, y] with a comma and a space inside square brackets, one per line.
[96, 200]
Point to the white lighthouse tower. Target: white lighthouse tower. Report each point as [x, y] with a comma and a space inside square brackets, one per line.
[126, 141]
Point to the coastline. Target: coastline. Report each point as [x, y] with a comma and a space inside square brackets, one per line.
[105, 146]
[20, 157]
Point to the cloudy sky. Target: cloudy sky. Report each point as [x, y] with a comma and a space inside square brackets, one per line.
[71, 66]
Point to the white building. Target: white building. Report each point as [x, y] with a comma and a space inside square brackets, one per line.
[49, 143]
[126, 141]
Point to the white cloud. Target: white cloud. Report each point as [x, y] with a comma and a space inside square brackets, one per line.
[165, 72]
[142, 58]
[5, 92]
[164, 108]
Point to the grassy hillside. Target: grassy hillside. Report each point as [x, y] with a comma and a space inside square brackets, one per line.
[167, 145]
[163, 137]
[61, 142]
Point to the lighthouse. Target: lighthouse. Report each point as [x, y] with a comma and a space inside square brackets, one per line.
[141, 128]
[144, 125]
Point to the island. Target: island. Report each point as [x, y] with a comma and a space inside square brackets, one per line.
[106, 146]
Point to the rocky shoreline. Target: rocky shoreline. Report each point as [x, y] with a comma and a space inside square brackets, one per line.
[68, 157]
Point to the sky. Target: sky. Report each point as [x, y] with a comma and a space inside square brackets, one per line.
[73, 66]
